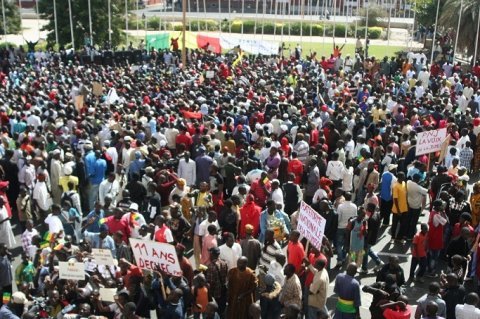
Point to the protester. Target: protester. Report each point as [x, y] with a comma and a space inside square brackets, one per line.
[96, 155]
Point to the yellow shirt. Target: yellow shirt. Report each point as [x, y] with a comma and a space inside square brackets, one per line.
[64, 180]
[400, 193]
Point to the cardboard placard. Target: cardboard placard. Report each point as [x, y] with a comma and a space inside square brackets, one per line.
[108, 294]
[311, 225]
[71, 270]
[97, 88]
[102, 256]
[209, 74]
[430, 141]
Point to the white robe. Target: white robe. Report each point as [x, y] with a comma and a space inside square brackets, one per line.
[7, 237]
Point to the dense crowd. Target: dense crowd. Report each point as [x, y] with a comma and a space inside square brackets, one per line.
[217, 164]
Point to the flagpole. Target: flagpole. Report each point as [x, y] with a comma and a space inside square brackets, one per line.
[229, 16]
[458, 30]
[476, 39]
[198, 13]
[274, 22]
[184, 20]
[324, 19]
[264, 5]
[205, 15]
[256, 14]
[90, 22]
[38, 17]
[54, 17]
[126, 22]
[243, 8]
[4, 22]
[346, 23]
[71, 24]
[301, 21]
[109, 22]
[334, 18]
[138, 21]
[219, 15]
[389, 18]
[366, 28]
[435, 31]
[20, 10]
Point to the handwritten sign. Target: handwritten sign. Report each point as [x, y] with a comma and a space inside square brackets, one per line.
[210, 74]
[430, 141]
[102, 256]
[71, 270]
[156, 256]
[108, 294]
[311, 225]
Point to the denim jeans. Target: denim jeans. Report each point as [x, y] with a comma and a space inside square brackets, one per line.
[340, 239]
[93, 195]
[372, 254]
[433, 256]
[422, 263]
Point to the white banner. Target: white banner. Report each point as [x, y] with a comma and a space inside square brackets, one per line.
[156, 256]
[430, 141]
[71, 270]
[311, 225]
[250, 46]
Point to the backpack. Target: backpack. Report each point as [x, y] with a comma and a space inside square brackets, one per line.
[67, 198]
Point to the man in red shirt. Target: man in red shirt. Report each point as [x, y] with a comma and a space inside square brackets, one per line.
[184, 138]
[117, 223]
[295, 166]
[295, 251]
[419, 254]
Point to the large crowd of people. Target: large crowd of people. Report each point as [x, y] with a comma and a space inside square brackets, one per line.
[215, 157]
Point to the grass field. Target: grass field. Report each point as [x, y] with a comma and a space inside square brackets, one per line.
[379, 51]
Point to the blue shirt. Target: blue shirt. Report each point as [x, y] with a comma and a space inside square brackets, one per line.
[386, 186]
[95, 227]
[106, 243]
[99, 169]
[90, 160]
[6, 313]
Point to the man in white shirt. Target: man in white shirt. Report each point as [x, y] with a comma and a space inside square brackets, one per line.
[335, 171]
[345, 211]
[187, 169]
[109, 187]
[53, 221]
[277, 193]
[112, 152]
[468, 310]
[41, 196]
[231, 251]
[26, 174]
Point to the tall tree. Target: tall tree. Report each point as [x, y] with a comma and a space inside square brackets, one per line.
[12, 15]
[468, 24]
[99, 9]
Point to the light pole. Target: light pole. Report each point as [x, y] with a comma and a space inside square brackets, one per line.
[71, 24]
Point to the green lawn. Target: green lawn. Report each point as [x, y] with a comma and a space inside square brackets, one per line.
[379, 51]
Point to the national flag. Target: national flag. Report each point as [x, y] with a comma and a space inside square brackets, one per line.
[6, 297]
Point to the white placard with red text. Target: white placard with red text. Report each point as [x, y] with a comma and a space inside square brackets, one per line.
[311, 225]
[156, 256]
[430, 141]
